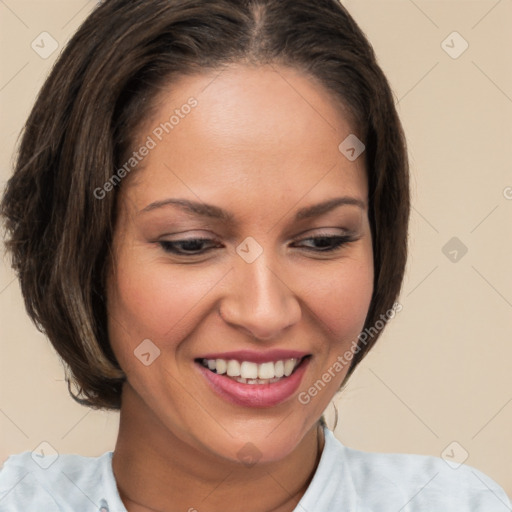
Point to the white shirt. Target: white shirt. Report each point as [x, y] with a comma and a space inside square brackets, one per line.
[346, 480]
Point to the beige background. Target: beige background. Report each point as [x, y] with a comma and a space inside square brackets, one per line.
[441, 372]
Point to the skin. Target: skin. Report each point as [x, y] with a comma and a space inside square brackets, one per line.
[262, 143]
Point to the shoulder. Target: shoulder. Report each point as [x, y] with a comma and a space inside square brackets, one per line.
[389, 482]
[30, 481]
[419, 482]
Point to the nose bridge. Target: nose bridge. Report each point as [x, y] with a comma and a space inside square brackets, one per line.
[260, 300]
[263, 286]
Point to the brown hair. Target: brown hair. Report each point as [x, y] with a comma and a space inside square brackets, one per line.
[85, 117]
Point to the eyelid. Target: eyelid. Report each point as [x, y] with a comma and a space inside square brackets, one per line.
[313, 233]
[324, 231]
[339, 241]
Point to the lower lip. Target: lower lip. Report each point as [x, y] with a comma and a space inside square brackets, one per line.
[255, 395]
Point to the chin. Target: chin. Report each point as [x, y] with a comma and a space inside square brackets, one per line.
[254, 441]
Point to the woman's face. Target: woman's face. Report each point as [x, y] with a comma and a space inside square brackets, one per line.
[227, 254]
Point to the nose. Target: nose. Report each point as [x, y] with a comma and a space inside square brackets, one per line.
[260, 300]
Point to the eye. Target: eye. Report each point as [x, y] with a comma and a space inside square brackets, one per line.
[327, 243]
[188, 247]
[196, 246]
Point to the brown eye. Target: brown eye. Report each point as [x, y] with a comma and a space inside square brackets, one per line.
[328, 243]
[188, 247]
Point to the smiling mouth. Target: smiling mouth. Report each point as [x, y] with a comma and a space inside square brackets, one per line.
[248, 372]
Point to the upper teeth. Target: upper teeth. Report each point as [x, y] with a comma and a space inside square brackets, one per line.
[250, 370]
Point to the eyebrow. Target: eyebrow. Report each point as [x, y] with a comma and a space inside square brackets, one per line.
[209, 210]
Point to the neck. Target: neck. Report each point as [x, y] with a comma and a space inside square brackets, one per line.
[156, 471]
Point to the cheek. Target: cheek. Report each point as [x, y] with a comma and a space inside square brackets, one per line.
[340, 299]
[148, 301]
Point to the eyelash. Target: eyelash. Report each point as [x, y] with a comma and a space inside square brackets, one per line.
[170, 247]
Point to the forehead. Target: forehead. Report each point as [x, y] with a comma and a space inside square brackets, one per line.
[263, 131]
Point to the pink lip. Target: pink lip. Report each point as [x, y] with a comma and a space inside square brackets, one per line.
[254, 395]
[256, 357]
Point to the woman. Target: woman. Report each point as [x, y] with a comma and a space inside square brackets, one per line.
[209, 209]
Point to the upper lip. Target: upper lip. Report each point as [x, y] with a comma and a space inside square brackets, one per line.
[255, 356]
